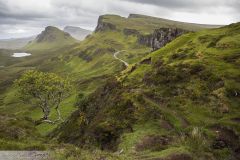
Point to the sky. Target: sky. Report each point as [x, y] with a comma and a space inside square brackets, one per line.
[23, 18]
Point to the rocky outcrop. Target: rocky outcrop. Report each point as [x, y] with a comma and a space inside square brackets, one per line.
[129, 32]
[51, 34]
[104, 26]
[160, 37]
[165, 35]
[145, 40]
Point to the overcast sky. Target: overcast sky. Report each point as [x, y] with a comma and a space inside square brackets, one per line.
[22, 18]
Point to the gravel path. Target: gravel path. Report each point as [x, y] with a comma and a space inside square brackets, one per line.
[115, 56]
[24, 155]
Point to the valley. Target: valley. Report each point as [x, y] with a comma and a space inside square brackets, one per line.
[143, 88]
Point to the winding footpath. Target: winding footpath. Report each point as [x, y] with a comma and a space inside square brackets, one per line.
[115, 56]
[24, 155]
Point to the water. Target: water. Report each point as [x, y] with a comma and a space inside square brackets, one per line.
[23, 54]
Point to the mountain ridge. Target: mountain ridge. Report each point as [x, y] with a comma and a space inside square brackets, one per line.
[15, 43]
[77, 32]
[179, 102]
[169, 94]
[51, 37]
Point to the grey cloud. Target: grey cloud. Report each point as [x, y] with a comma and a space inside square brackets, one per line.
[191, 5]
[32, 15]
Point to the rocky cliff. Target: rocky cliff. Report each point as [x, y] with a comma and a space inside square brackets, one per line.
[154, 38]
[160, 37]
[103, 25]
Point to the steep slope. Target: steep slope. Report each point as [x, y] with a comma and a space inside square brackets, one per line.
[89, 64]
[148, 30]
[77, 32]
[179, 102]
[50, 39]
[15, 43]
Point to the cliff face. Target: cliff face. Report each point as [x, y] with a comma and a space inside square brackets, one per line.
[104, 26]
[156, 38]
[160, 37]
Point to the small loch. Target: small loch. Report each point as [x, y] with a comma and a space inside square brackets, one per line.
[22, 54]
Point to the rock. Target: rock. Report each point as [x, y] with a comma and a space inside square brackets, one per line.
[225, 137]
[145, 40]
[219, 144]
[104, 26]
[160, 37]
[132, 69]
[146, 61]
[153, 142]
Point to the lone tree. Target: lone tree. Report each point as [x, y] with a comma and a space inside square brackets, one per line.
[45, 90]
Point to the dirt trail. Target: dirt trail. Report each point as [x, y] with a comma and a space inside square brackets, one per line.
[24, 155]
[115, 56]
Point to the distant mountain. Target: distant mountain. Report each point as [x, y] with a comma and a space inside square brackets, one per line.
[51, 38]
[142, 24]
[15, 43]
[77, 32]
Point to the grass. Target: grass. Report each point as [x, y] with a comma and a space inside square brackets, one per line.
[189, 83]
[50, 38]
[182, 85]
[67, 62]
[196, 69]
[146, 24]
[129, 140]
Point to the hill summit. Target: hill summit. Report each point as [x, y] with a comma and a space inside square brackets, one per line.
[50, 38]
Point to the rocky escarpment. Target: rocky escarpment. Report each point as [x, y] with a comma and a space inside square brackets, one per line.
[156, 38]
[50, 34]
[160, 37]
[103, 25]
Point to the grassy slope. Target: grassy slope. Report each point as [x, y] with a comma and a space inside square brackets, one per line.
[146, 24]
[187, 92]
[50, 38]
[195, 77]
[89, 64]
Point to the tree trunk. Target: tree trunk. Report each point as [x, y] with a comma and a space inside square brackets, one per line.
[59, 113]
[46, 112]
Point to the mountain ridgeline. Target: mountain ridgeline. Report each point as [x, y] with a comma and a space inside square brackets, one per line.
[177, 99]
[77, 32]
[15, 43]
[172, 104]
[151, 31]
[51, 38]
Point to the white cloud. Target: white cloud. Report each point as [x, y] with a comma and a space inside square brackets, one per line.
[31, 16]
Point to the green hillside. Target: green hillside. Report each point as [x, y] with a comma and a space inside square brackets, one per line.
[180, 101]
[169, 103]
[50, 38]
[146, 24]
